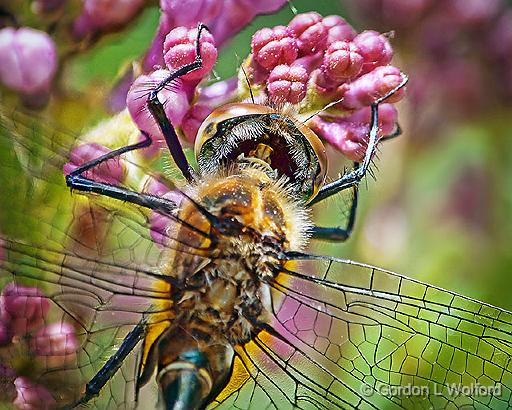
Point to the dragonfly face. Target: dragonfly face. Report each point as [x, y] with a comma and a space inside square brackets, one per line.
[229, 312]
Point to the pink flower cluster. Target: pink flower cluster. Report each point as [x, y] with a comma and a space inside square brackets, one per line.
[318, 60]
[23, 312]
[459, 50]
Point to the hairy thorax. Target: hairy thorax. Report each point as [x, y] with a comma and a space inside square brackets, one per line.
[225, 295]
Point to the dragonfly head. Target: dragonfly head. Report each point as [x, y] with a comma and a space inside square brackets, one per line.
[253, 134]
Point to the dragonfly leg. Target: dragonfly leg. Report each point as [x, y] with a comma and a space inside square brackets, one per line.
[75, 180]
[354, 177]
[112, 365]
[157, 110]
[338, 234]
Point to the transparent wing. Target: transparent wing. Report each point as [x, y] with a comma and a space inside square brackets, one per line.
[94, 258]
[347, 335]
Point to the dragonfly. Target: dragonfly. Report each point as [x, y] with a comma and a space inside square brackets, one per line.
[232, 312]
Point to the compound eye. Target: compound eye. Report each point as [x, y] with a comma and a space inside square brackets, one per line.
[209, 127]
[321, 155]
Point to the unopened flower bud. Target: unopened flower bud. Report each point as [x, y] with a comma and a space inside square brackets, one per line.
[105, 15]
[32, 396]
[274, 46]
[375, 49]
[350, 134]
[310, 33]
[29, 60]
[338, 29]
[342, 61]
[287, 84]
[190, 12]
[56, 344]
[368, 88]
[174, 98]
[180, 49]
[110, 172]
[23, 308]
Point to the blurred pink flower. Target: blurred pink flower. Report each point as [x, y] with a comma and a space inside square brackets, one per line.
[32, 396]
[56, 343]
[29, 61]
[110, 172]
[105, 15]
[193, 120]
[6, 333]
[23, 308]
[180, 49]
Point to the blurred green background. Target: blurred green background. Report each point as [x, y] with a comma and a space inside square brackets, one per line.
[439, 209]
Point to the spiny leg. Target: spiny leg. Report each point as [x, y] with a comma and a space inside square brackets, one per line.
[157, 110]
[76, 180]
[112, 365]
[354, 177]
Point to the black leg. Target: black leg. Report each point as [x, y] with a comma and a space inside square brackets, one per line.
[338, 234]
[112, 365]
[75, 180]
[355, 176]
[157, 110]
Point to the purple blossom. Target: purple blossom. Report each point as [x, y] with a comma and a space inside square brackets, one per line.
[193, 120]
[22, 308]
[110, 172]
[105, 15]
[338, 29]
[29, 61]
[32, 396]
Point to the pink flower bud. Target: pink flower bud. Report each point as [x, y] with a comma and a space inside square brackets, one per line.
[219, 93]
[287, 84]
[193, 120]
[342, 61]
[29, 60]
[368, 88]
[350, 134]
[180, 49]
[7, 387]
[105, 15]
[23, 308]
[311, 34]
[110, 172]
[375, 49]
[57, 344]
[274, 46]
[32, 396]
[173, 97]
[338, 29]
[190, 12]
